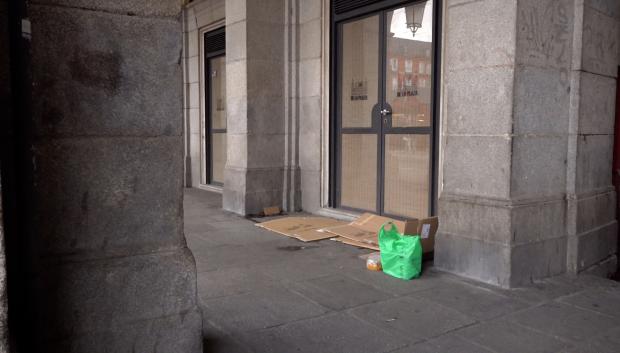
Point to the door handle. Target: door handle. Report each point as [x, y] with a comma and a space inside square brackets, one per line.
[385, 112]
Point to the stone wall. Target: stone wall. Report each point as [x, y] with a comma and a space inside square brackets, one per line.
[591, 218]
[527, 139]
[104, 260]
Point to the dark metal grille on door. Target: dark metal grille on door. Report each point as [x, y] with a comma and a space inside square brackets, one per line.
[342, 6]
[215, 41]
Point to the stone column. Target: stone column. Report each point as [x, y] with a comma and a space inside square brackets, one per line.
[5, 113]
[255, 105]
[591, 218]
[108, 267]
[505, 134]
[310, 101]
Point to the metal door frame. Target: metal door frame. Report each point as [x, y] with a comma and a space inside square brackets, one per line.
[379, 8]
[209, 130]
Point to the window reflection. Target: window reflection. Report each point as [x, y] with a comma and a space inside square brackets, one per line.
[409, 44]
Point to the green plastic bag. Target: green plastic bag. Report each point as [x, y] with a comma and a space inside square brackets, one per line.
[401, 255]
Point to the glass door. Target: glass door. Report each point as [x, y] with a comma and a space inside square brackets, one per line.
[385, 125]
[217, 119]
[215, 106]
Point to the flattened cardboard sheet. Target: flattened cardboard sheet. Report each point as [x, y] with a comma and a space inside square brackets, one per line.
[302, 228]
[356, 243]
[363, 231]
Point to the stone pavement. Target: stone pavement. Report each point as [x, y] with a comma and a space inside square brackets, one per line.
[263, 292]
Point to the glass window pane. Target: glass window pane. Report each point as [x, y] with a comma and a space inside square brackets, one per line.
[360, 73]
[359, 171]
[218, 92]
[218, 156]
[407, 175]
[409, 41]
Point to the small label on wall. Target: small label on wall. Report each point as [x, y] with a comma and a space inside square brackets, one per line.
[426, 229]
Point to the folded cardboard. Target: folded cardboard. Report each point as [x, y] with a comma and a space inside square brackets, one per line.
[302, 228]
[355, 243]
[364, 230]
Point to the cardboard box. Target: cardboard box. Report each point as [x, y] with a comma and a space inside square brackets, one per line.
[364, 230]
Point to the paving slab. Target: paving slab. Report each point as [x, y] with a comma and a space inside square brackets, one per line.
[232, 281]
[380, 280]
[415, 319]
[607, 342]
[217, 341]
[449, 343]
[264, 292]
[352, 292]
[337, 332]
[565, 321]
[604, 301]
[505, 336]
[262, 308]
[475, 301]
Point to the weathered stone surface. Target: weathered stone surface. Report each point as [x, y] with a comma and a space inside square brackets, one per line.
[175, 333]
[505, 336]
[541, 101]
[467, 158]
[608, 7]
[482, 40]
[111, 75]
[98, 295]
[255, 82]
[157, 8]
[485, 261]
[595, 210]
[265, 47]
[214, 12]
[266, 11]
[417, 318]
[477, 108]
[538, 221]
[600, 43]
[596, 104]
[236, 50]
[102, 244]
[476, 220]
[309, 10]
[309, 72]
[597, 244]
[103, 191]
[471, 300]
[449, 343]
[277, 306]
[544, 33]
[536, 174]
[265, 150]
[265, 116]
[535, 260]
[564, 321]
[321, 289]
[310, 190]
[310, 336]
[310, 38]
[594, 162]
